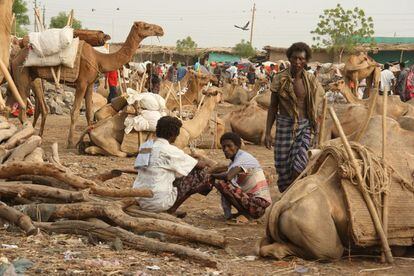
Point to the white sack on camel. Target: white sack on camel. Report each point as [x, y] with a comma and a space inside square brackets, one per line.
[51, 41]
[66, 57]
[147, 100]
[146, 121]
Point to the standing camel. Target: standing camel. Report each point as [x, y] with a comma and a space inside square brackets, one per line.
[359, 67]
[92, 63]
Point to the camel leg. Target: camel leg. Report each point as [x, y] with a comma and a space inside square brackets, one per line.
[89, 104]
[40, 105]
[74, 114]
[22, 79]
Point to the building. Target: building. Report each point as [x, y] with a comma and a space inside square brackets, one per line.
[391, 49]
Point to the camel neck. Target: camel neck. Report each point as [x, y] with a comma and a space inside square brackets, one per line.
[114, 61]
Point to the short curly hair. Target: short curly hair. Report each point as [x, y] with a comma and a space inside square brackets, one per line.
[168, 127]
[232, 137]
[299, 47]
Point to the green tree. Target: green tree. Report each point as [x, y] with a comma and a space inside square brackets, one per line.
[61, 19]
[22, 19]
[244, 49]
[339, 29]
[186, 45]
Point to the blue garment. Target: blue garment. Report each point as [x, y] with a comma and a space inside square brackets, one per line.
[181, 72]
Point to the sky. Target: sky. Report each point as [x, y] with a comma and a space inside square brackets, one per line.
[211, 23]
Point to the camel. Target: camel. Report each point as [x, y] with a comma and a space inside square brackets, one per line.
[319, 197]
[193, 128]
[248, 122]
[5, 28]
[194, 83]
[359, 67]
[238, 95]
[92, 62]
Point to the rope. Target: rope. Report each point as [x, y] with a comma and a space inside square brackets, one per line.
[377, 180]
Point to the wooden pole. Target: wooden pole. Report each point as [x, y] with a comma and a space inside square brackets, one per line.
[12, 86]
[323, 122]
[181, 105]
[371, 108]
[169, 92]
[141, 85]
[252, 26]
[384, 149]
[201, 102]
[367, 197]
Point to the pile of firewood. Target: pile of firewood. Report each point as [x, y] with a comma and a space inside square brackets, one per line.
[46, 196]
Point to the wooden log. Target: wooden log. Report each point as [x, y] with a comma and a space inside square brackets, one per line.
[4, 153]
[114, 211]
[134, 211]
[323, 122]
[35, 156]
[24, 149]
[371, 108]
[21, 135]
[367, 198]
[19, 189]
[128, 170]
[105, 232]
[43, 180]
[14, 169]
[7, 133]
[385, 198]
[106, 175]
[18, 218]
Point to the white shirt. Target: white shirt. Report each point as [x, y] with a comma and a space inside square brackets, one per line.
[233, 71]
[166, 162]
[386, 79]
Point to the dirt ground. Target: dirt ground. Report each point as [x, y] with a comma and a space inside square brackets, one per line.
[76, 255]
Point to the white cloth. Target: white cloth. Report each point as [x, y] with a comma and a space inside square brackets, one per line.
[51, 41]
[66, 57]
[386, 79]
[245, 161]
[166, 163]
[147, 100]
[233, 71]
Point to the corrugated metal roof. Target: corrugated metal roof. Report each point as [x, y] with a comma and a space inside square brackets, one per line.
[389, 40]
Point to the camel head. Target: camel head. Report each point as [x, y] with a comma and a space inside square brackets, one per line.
[213, 91]
[337, 86]
[146, 29]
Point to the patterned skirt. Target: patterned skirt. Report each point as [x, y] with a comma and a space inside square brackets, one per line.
[291, 149]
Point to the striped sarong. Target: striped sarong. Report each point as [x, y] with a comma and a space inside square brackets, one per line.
[291, 148]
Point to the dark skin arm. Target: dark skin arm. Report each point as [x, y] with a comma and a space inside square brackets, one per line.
[201, 164]
[271, 117]
[227, 176]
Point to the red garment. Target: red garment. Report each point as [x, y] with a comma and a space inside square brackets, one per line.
[112, 78]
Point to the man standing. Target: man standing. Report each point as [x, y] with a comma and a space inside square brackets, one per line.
[387, 80]
[401, 81]
[295, 97]
[172, 73]
[232, 70]
[111, 79]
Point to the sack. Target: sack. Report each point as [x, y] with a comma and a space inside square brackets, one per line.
[65, 57]
[51, 41]
[147, 100]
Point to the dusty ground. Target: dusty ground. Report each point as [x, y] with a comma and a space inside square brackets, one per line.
[70, 254]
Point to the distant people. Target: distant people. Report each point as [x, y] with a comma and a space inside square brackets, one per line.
[251, 75]
[172, 73]
[232, 70]
[153, 80]
[217, 72]
[272, 72]
[387, 80]
[181, 72]
[401, 82]
[244, 184]
[111, 80]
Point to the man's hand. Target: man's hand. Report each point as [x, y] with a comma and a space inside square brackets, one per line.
[268, 141]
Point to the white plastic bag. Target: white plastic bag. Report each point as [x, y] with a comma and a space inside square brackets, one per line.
[51, 41]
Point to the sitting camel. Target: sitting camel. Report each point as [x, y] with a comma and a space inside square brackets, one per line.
[193, 128]
[91, 63]
[248, 122]
[359, 67]
[320, 198]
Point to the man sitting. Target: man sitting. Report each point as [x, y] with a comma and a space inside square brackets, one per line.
[243, 185]
[172, 175]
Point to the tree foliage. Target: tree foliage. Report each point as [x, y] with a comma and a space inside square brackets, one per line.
[61, 19]
[22, 19]
[186, 45]
[244, 49]
[340, 29]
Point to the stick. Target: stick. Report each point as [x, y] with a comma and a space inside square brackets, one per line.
[384, 148]
[201, 102]
[323, 122]
[169, 92]
[181, 105]
[141, 85]
[367, 198]
[16, 217]
[12, 86]
[371, 108]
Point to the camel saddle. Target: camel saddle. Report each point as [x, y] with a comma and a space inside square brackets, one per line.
[67, 74]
